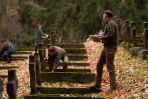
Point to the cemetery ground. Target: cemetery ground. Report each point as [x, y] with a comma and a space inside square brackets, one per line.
[131, 74]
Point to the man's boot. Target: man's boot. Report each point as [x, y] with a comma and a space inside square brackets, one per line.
[65, 65]
[97, 86]
[50, 64]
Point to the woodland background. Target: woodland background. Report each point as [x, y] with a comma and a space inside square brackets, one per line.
[72, 18]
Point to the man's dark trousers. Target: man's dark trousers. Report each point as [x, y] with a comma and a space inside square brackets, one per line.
[107, 56]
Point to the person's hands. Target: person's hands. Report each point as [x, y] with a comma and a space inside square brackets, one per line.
[96, 38]
[45, 58]
[47, 35]
[66, 59]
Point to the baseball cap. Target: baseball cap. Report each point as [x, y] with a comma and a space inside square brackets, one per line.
[51, 49]
[108, 13]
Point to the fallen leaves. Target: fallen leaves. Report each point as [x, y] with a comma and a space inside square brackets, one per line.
[22, 75]
[93, 50]
[131, 73]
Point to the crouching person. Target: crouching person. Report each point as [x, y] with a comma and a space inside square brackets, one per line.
[7, 49]
[53, 55]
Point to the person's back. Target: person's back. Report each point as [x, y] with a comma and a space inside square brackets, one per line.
[7, 49]
[55, 54]
[11, 48]
[59, 50]
[3, 45]
[58, 54]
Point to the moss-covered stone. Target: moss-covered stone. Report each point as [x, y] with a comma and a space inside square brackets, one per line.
[61, 96]
[143, 54]
[71, 70]
[48, 90]
[67, 77]
[24, 52]
[134, 51]
[72, 45]
[8, 67]
[76, 63]
[3, 76]
[77, 56]
[75, 50]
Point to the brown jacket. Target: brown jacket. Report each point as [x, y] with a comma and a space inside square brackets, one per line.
[110, 35]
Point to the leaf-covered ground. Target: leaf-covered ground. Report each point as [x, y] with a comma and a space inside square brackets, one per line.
[22, 75]
[131, 74]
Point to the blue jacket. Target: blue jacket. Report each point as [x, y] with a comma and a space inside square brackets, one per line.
[11, 48]
[38, 36]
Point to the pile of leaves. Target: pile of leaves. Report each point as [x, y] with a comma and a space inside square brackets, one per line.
[131, 73]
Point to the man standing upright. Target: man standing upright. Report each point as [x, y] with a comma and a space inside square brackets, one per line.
[38, 35]
[109, 39]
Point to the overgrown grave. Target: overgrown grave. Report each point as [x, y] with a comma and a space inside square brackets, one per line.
[136, 43]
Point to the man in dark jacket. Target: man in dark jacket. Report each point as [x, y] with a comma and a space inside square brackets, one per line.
[109, 39]
[54, 54]
[6, 49]
[39, 35]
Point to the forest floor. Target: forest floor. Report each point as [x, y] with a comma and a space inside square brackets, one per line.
[131, 73]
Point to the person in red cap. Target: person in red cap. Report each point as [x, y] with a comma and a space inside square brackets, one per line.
[109, 40]
[53, 55]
